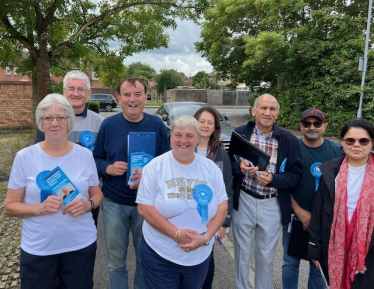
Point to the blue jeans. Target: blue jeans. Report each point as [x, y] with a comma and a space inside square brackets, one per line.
[119, 220]
[290, 268]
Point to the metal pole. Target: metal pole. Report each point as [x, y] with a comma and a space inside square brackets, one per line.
[359, 112]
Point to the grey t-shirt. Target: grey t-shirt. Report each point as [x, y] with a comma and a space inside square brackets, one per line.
[87, 121]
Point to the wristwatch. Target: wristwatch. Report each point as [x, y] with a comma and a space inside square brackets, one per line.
[92, 205]
[207, 242]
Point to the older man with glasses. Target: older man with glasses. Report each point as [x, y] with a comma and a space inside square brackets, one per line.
[315, 150]
[77, 89]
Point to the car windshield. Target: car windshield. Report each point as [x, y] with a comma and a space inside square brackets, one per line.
[187, 109]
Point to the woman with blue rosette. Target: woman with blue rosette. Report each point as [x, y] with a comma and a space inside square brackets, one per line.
[211, 147]
[341, 228]
[52, 185]
[183, 200]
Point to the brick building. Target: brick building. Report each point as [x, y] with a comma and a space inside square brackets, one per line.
[16, 97]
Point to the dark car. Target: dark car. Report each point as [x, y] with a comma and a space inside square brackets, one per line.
[107, 101]
[169, 111]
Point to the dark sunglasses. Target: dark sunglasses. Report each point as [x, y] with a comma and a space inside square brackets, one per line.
[308, 124]
[362, 141]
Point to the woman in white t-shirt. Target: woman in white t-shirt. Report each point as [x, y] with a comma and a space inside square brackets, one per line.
[341, 228]
[183, 200]
[58, 238]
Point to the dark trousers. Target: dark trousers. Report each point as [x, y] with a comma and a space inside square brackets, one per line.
[209, 277]
[72, 269]
[160, 273]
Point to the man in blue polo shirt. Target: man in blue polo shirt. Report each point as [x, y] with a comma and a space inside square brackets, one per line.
[120, 212]
[315, 150]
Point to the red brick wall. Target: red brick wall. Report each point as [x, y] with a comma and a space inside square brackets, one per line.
[15, 104]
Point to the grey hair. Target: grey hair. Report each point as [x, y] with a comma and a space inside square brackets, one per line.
[76, 74]
[255, 105]
[185, 120]
[55, 99]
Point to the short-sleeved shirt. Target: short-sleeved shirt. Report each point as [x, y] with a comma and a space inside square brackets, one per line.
[54, 233]
[305, 189]
[167, 185]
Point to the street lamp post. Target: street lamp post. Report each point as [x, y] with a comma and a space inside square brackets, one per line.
[364, 61]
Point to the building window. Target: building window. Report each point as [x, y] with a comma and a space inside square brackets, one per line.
[94, 76]
[8, 71]
[15, 70]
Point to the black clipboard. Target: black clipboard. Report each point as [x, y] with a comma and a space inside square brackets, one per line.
[299, 241]
[239, 146]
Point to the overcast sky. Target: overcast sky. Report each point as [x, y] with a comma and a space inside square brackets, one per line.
[180, 55]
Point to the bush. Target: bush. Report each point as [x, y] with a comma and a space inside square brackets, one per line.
[93, 105]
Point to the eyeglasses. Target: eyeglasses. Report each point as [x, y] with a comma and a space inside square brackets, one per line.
[308, 124]
[79, 89]
[362, 141]
[49, 119]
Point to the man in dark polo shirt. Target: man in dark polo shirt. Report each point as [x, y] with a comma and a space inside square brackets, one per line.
[262, 201]
[315, 150]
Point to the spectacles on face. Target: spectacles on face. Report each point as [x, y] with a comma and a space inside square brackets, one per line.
[79, 89]
[308, 124]
[362, 141]
[49, 119]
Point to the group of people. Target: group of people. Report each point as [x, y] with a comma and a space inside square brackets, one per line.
[185, 198]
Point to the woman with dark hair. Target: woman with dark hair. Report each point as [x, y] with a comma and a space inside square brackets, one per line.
[210, 146]
[341, 228]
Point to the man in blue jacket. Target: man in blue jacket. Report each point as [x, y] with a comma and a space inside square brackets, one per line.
[262, 201]
[120, 213]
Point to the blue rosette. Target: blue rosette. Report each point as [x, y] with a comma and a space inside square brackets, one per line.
[316, 172]
[87, 139]
[282, 168]
[202, 195]
[44, 189]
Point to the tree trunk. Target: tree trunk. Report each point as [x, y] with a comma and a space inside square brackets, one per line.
[41, 82]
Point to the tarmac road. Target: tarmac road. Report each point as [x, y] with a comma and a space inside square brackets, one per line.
[224, 274]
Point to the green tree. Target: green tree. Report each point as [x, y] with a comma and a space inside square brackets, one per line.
[142, 71]
[201, 80]
[110, 69]
[307, 52]
[167, 79]
[44, 36]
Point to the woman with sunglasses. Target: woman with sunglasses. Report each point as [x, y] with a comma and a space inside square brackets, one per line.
[210, 146]
[341, 228]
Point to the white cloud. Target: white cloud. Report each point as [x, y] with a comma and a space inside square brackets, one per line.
[180, 55]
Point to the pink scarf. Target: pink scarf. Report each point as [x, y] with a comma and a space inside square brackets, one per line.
[349, 242]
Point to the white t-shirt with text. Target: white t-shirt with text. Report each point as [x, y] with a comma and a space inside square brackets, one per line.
[167, 185]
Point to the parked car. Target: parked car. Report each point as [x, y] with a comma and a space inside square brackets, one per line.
[107, 101]
[169, 111]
